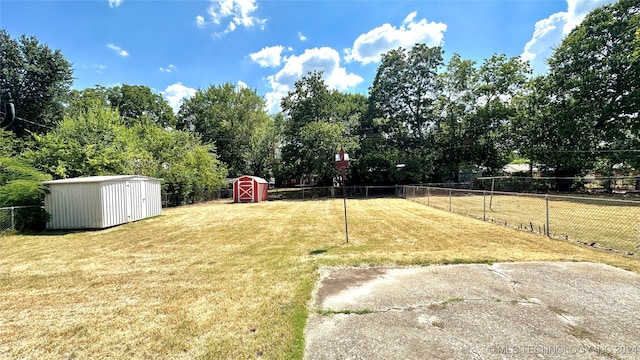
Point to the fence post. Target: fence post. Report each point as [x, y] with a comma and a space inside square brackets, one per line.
[13, 219]
[428, 196]
[414, 193]
[449, 200]
[484, 206]
[546, 198]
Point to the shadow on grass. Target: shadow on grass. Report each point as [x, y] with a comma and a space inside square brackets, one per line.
[321, 251]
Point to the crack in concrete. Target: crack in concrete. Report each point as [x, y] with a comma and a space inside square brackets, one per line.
[433, 306]
[504, 275]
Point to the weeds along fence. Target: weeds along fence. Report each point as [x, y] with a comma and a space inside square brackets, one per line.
[604, 223]
[16, 218]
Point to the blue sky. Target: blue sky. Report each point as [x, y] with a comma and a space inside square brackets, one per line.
[176, 47]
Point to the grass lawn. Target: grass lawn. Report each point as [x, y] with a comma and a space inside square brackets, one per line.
[610, 224]
[222, 280]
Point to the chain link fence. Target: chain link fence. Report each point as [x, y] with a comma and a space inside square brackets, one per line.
[320, 192]
[16, 218]
[605, 223]
[175, 199]
[582, 185]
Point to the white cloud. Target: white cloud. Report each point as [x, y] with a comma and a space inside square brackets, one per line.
[549, 32]
[369, 46]
[115, 3]
[99, 68]
[268, 56]
[241, 84]
[323, 59]
[175, 93]
[301, 37]
[200, 21]
[168, 69]
[239, 13]
[120, 51]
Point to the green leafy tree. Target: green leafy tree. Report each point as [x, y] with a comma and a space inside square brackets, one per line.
[317, 123]
[20, 185]
[226, 117]
[190, 170]
[137, 103]
[94, 142]
[37, 79]
[488, 141]
[595, 85]
[402, 113]
[456, 105]
[537, 132]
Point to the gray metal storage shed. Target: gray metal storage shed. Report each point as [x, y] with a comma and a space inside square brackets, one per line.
[99, 202]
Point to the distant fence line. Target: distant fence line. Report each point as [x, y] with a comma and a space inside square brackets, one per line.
[584, 184]
[175, 199]
[318, 192]
[599, 222]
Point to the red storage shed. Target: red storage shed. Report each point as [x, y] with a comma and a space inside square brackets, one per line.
[248, 189]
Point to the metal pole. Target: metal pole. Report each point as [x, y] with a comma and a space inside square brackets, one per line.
[491, 200]
[344, 200]
[546, 197]
[13, 219]
[484, 206]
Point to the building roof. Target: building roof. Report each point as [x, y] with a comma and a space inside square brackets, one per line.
[516, 168]
[98, 179]
[257, 179]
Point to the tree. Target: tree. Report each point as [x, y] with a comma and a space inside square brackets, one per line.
[226, 117]
[37, 79]
[135, 103]
[488, 142]
[402, 111]
[317, 122]
[537, 131]
[20, 185]
[261, 154]
[595, 86]
[96, 142]
[456, 105]
[190, 170]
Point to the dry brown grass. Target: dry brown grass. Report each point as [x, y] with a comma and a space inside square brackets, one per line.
[225, 280]
[607, 223]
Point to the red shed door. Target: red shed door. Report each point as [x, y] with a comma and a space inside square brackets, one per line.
[245, 190]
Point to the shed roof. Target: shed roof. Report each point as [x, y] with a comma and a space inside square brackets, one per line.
[257, 179]
[98, 179]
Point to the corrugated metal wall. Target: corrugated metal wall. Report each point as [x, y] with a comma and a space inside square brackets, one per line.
[113, 204]
[74, 206]
[102, 204]
[153, 198]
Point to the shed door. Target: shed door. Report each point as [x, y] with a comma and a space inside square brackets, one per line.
[245, 190]
[136, 206]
